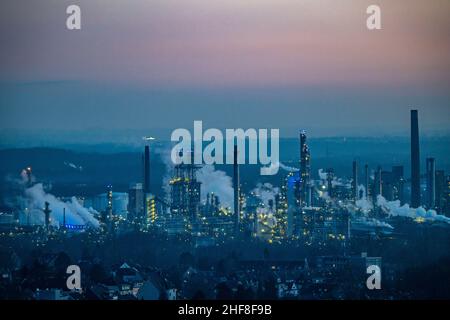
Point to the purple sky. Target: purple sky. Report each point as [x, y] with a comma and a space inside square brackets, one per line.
[271, 60]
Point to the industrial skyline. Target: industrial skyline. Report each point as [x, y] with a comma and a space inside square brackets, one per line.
[224, 150]
[331, 217]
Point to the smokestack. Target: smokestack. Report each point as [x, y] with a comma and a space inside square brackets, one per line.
[147, 170]
[431, 183]
[236, 189]
[330, 177]
[378, 188]
[28, 172]
[47, 212]
[355, 181]
[304, 170]
[415, 160]
[109, 206]
[366, 180]
[64, 218]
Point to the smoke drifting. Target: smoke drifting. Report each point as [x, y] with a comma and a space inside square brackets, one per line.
[288, 168]
[218, 182]
[275, 165]
[336, 182]
[164, 154]
[393, 208]
[73, 166]
[265, 192]
[365, 205]
[372, 222]
[322, 174]
[76, 214]
[213, 181]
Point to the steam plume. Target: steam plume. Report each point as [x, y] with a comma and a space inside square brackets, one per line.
[394, 208]
[75, 213]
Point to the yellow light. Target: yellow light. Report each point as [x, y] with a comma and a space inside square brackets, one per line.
[420, 220]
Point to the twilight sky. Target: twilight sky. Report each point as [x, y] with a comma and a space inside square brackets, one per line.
[288, 64]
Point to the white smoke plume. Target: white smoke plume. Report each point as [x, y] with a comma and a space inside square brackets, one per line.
[25, 178]
[218, 182]
[335, 182]
[363, 189]
[275, 165]
[322, 174]
[75, 213]
[393, 208]
[365, 205]
[73, 166]
[372, 222]
[265, 192]
[324, 195]
[288, 168]
[164, 154]
[338, 182]
[213, 181]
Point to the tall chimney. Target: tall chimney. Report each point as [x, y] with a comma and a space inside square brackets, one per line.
[236, 189]
[147, 170]
[47, 212]
[64, 218]
[366, 180]
[304, 171]
[355, 181]
[330, 176]
[378, 187]
[415, 160]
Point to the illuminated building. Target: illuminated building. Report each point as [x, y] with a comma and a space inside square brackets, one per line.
[266, 225]
[111, 204]
[119, 200]
[251, 207]
[151, 211]
[321, 225]
[218, 227]
[185, 191]
[303, 184]
[281, 212]
[135, 201]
